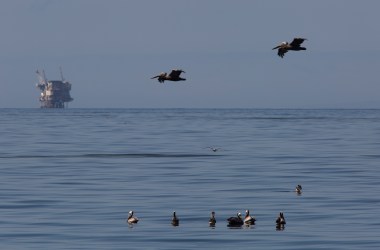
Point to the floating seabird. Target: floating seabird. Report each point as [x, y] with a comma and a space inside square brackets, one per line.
[298, 189]
[131, 219]
[173, 76]
[249, 220]
[235, 221]
[280, 221]
[175, 220]
[212, 219]
[213, 149]
[294, 45]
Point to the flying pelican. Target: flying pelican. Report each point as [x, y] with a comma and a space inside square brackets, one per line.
[173, 76]
[249, 220]
[131, 219]
[294, 45]
[212, 219]
[235, 221]
[175, 220]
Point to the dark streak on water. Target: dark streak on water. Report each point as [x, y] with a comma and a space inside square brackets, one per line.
[69, 177]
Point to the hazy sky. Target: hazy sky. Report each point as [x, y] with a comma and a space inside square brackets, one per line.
[109, 49]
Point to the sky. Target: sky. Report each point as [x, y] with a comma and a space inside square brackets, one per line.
[109, 50]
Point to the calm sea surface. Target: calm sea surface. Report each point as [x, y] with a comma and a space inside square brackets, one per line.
[69, 177]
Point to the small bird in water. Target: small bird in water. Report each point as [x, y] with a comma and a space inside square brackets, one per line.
[212, 220]
[298, 189]
[248, 219]
[173, 76]
[175, 220]
[131, 219]
[213, 149]
[235, 221]
[294, 45]
[280, 221]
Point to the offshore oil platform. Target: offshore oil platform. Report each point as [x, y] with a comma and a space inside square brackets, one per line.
[54, 94]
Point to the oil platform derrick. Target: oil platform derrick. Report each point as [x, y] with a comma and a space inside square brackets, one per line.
[54, 94]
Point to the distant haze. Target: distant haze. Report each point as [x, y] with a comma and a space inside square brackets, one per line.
[109, 50]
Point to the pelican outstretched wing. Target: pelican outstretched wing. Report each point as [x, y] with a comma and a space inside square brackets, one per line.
[175, 73]
[297, 41]
[281, 52]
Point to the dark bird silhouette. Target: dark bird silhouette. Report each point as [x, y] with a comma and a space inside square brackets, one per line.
[175, 220]
[235, 221]
[131, 219]
[249, 220]
[280, 221]
[173, 76]
[294, 45]
[298, 189]
[212, 219]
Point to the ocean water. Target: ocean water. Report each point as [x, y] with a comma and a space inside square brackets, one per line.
[69, 177]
